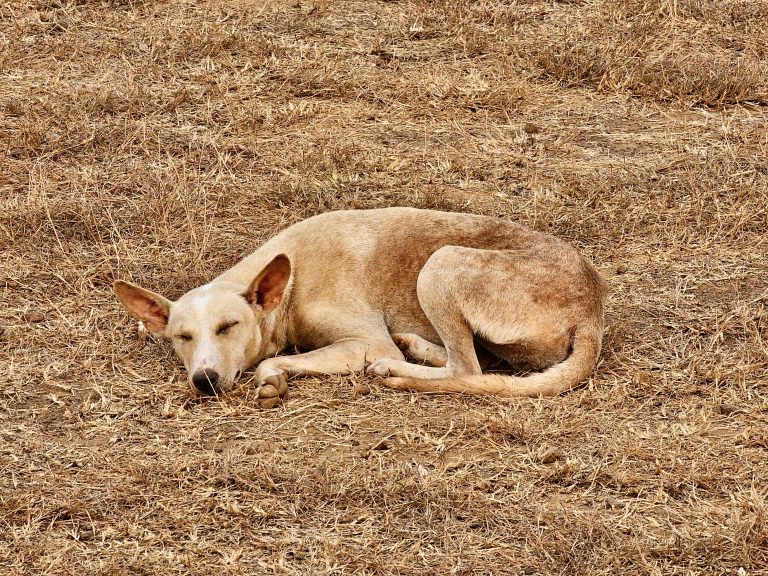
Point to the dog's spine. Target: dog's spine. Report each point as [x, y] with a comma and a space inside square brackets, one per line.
[554, 380]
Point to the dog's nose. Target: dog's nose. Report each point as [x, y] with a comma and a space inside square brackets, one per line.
[205, 380]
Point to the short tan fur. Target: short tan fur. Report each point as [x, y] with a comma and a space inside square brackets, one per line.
[361, 288]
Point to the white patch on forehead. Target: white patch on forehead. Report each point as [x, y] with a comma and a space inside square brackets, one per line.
[193, 315]
[200, 302]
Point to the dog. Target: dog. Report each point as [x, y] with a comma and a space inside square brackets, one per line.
[363, 288]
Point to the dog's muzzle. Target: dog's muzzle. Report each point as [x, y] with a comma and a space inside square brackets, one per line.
[205, 381]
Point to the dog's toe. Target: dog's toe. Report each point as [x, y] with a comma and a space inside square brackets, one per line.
[268, 403]
[272, 392]
[380, 367]
[279, 382]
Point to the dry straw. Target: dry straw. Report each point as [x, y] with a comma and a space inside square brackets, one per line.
[162, 141]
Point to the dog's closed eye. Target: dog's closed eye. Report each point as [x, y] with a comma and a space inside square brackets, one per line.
[224, 328]
[184, 337]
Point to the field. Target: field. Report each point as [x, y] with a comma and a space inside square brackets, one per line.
[160, 142]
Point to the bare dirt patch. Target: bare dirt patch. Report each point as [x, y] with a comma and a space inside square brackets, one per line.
[162, 141]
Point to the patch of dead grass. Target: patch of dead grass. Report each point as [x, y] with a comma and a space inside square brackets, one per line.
[161, 142]
[695, 53]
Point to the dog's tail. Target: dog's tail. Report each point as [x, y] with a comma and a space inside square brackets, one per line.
[554, 380]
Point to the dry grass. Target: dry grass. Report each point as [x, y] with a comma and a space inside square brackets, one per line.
[162, 141]
[693, 52]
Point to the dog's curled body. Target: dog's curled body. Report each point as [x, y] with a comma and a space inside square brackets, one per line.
[354, 287]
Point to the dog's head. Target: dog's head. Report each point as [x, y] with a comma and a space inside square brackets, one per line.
[218, 330]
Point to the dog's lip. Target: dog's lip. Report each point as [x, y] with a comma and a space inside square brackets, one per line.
[216, 391]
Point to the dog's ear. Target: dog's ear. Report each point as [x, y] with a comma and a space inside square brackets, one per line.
[150, 308]
[266, 290]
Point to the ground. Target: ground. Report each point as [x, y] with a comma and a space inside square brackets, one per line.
[162, 141]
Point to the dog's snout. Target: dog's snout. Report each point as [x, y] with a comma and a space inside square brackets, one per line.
[205, 380]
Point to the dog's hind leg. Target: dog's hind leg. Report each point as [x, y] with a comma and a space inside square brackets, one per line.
[539, 307]
[420, 349]
[491, 295]
[439, 290]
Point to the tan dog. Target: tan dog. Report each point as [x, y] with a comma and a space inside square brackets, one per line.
[356, 287]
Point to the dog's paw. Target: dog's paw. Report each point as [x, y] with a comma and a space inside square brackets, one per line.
[273, 391]
[382, 367]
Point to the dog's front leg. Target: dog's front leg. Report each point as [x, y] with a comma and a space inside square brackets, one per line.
[341, 357]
